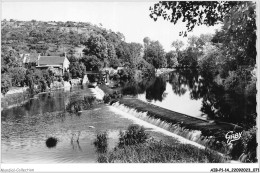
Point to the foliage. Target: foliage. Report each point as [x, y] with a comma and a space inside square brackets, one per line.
[171, 58]
[126, 73]
[108, 98]
[114, 63]
[160, 152]
[18, 76]
[211, 61]
[92, 63]
[96, 45]
[187, 58]
[77, 105]
[250, 144]
[5, 83]
[146, 68]
[154, 54]
[101, 142]
[77, 69]
[135, 134]
[193, 12]
[66, 76]
[177, 44]
[92, 77]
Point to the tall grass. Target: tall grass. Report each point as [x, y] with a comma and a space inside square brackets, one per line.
[159, 152]
[135, 134]
[101, 142]
[134, 147]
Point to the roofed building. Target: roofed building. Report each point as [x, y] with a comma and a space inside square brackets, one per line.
[30, 59]
[57, 63]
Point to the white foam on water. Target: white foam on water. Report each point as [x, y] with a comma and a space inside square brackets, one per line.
[98, 93]
[155, 128]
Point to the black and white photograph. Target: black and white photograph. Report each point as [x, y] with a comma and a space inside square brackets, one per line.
[110, 83]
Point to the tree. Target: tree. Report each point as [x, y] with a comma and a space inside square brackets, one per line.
[77, 69]
[177, 44]
[5, 83]
[171, 58]
[239, 19]
[193, 12]
[146, 41]
[92, 63]
[66, 76]
[187, 58]
[96, 45]
[155, 55]
[18, 76]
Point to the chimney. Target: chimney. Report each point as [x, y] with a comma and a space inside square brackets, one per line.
[39, 55]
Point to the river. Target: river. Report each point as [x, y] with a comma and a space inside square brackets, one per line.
[26, 128]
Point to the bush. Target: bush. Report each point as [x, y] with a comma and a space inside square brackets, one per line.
[107, 98]
[101, 142]
[66, 76]
[78, 105]
[110, 97]
[92, 77]
[5, 83]
[115, 77]
[250, 144]
[135, 134]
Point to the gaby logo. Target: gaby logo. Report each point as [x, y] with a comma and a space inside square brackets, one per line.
[232, 136]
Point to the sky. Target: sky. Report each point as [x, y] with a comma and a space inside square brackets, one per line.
[130, 18]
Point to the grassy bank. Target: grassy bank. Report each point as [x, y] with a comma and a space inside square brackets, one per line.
[15, 99]
[135, 146]
[159, 152]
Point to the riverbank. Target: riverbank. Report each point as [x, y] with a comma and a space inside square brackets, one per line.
[159, 152]
[21, 96]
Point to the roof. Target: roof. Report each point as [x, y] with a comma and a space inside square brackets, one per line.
[30, 58]
[33, 57]
[51, 60]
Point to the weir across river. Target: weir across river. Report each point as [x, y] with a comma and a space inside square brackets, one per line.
[207, 127]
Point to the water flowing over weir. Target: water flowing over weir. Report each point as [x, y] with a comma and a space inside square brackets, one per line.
[192, 135]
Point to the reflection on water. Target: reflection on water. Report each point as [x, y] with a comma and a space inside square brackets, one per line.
[189, 92]
[27, 130]
[182, 104]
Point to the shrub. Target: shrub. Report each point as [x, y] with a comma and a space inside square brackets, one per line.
[92, 78]
[89, 100]
[135, 134]
[250, 144]
[110, 97]
[101, 142]
[78, 105]
[66, 76]
[5, 83]
[115, 77]
[107, 98]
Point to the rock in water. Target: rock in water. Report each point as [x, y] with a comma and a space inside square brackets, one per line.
[51, 142]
